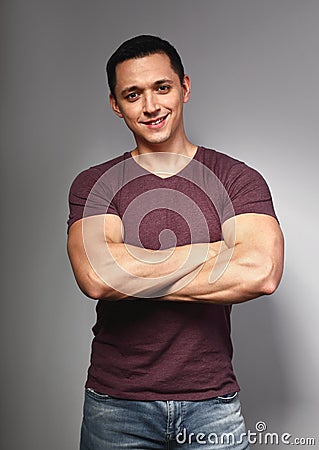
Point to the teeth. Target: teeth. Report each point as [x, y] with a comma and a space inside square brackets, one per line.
[156, 122]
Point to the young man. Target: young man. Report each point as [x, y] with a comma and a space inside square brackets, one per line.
[166, 237]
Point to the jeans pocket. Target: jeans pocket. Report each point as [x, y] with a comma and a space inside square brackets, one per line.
[227, 398]
[96, 395]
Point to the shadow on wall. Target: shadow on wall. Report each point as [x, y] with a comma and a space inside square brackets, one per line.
[258, 362]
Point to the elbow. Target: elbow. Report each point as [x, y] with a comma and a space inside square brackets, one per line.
[93, 292]
[269, 287]
[92, 286]
[262, 275]
[269, 280]
[96, 289]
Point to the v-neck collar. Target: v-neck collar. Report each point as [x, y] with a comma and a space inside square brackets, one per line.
[148, 172]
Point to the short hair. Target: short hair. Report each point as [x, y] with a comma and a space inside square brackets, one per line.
[138, 47]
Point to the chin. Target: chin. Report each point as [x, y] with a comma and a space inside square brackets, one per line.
[157, 139]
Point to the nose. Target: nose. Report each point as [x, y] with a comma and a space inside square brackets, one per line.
[150, 103]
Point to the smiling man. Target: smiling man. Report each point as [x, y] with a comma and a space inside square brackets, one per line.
[149, 95]
[166, 237]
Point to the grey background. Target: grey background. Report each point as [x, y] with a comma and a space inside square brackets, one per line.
[255, 68]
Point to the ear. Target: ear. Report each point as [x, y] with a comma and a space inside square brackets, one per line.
[115, 106]
[186, 88]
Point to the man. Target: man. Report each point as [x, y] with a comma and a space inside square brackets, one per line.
[166, 237]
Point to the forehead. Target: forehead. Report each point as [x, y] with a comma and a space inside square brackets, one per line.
[145, 70]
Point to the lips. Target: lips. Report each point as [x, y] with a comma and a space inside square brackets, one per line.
[158, 123]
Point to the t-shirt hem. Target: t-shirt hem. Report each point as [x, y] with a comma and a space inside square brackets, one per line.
[153, 396]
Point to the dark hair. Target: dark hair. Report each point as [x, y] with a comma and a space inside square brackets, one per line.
[138, 47]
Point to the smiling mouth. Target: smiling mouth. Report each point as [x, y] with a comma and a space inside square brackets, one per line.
[157, 121]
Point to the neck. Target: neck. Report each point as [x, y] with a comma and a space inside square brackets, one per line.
[163, 160]
[183, 147]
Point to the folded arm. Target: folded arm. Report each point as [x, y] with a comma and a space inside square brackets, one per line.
[105, 267]
[250, 268]
[246, 265]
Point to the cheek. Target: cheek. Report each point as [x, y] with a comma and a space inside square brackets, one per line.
[177, 107]
[173, 105]
[129, 114]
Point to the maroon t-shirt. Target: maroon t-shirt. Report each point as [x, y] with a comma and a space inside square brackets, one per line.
[146, 349]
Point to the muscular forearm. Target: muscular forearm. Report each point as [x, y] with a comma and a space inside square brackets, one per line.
[229, 278]
[250, 267]
[105, 267]
[123, 271]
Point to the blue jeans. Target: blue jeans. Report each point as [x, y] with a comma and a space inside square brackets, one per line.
[112, 424]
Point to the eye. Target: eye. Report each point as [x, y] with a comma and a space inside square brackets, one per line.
[163, 89]
[132, 96]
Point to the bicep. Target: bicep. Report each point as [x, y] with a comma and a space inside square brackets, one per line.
[94, 230]
[258, 249]
[255, 232]
[85, 235]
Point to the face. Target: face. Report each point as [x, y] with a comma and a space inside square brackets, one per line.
[150, 98]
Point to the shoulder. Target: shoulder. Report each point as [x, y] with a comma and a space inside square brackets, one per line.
[217, 160]
[246, 188]
[229, 170]
[86, 179]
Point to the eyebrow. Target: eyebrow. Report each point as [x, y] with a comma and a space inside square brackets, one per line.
[129, 89]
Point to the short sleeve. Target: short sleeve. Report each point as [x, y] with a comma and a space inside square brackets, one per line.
[248, 191]
[88, 196]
